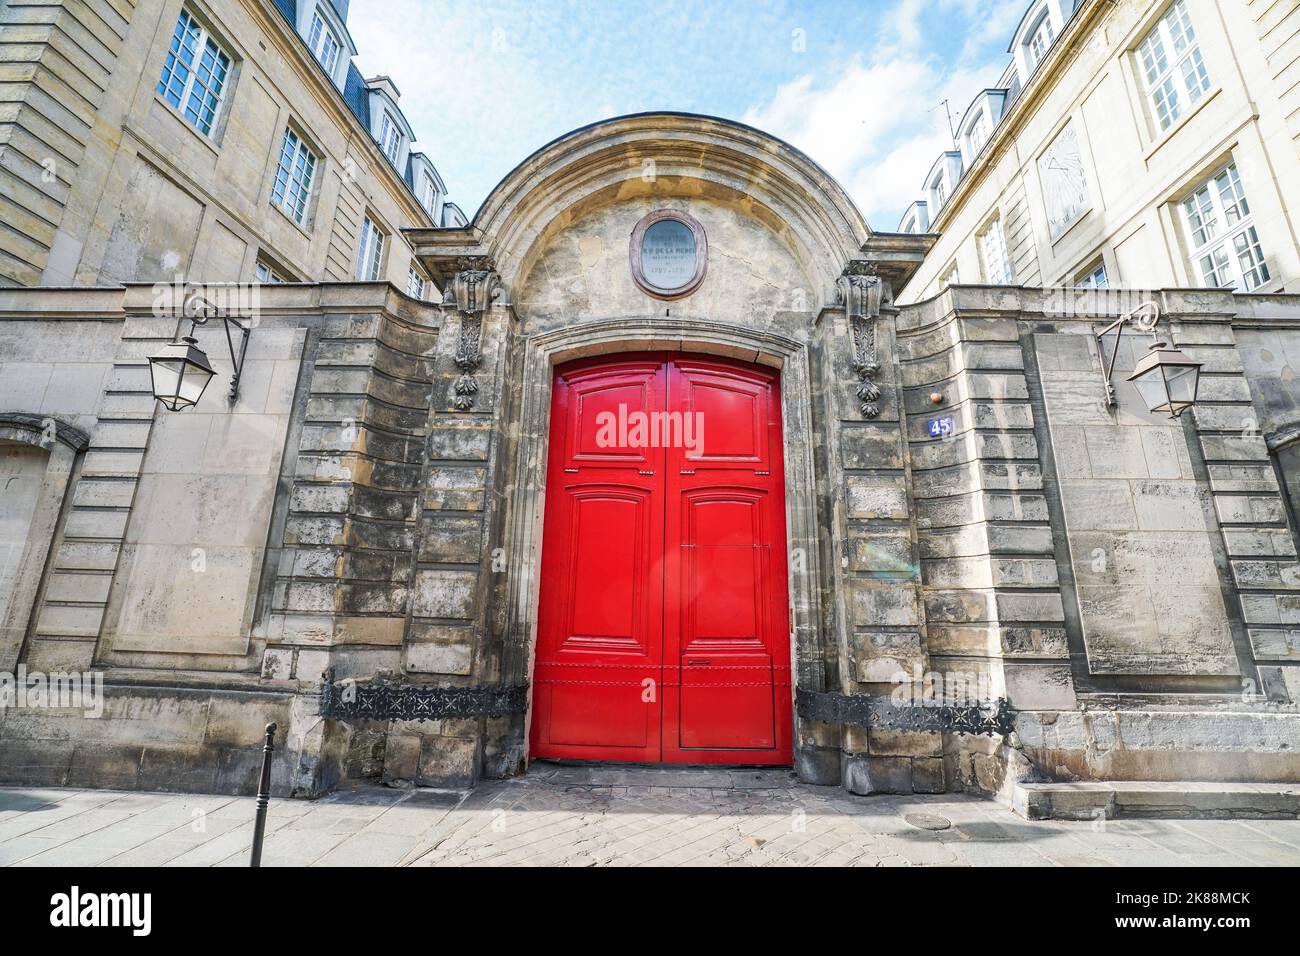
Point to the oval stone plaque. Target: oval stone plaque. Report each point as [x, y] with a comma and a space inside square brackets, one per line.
[669, 254]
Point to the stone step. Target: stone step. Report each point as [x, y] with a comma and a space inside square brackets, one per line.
[1108, 799]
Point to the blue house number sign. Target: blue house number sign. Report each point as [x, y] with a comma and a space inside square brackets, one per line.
[940, 427]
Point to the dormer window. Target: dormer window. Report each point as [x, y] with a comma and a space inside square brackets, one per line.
[941, 181]
[977, 135]
[1039, 42]
[390, 137]
[429, 195]
[940, 190]
[979, 122]
[323, 42]
[914, 221]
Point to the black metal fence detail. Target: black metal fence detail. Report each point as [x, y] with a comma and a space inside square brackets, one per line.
[991, 718]
[392, 700]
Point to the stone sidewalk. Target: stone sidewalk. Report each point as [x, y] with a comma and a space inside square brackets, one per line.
[582, 816]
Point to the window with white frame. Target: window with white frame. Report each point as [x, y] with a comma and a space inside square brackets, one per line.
[414, 283]
[324, 42]
[951, 277]
[195, 73]
[390, 136]
[1094, 277]
[1225, 248]
[1172, 68]
[370, 255]
[293, 177]
[1039, 42]
[270, 274]
[993, 254]
[978, 134]
[429, 194]
[940, 192]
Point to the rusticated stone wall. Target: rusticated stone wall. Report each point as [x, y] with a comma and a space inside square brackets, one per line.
[1119, 576]
[210, 566]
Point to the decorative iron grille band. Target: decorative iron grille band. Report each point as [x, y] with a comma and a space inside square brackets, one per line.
[389, 700]
[991, 718]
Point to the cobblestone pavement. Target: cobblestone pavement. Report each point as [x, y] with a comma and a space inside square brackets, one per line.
[607, 815]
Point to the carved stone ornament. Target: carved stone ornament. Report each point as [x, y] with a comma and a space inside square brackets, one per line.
[472, 291]
[861, 293]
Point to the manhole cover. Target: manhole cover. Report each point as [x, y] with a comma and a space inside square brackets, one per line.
[927, 821]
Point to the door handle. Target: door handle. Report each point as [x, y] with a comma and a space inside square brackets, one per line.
[645, 472]
[698, 663]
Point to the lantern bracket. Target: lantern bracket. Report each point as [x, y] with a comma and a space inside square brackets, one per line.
[1144, 318]
[200, 310]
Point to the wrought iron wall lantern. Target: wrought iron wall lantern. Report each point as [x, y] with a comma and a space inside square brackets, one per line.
[180, 371]
[1165, 377]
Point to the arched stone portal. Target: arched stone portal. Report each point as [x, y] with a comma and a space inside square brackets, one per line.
[794, 279]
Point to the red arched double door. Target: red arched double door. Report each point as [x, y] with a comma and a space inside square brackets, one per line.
[663, 624]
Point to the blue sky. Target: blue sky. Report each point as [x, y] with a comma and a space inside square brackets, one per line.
[856, 85]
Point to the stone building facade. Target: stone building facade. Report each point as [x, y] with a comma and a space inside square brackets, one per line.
[354, 547]
[1137, 144]
[268, 157]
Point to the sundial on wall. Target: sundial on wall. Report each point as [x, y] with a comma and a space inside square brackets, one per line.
[669, 254]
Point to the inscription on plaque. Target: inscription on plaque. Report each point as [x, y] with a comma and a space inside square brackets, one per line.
[669, 254]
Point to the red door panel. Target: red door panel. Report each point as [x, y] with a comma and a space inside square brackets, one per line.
[726, 618]
[600, 623]
[663, 630]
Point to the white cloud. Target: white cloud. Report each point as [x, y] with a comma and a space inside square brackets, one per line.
[877, 126]
[484, 84]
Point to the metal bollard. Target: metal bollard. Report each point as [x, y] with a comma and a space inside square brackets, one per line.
[263, 796]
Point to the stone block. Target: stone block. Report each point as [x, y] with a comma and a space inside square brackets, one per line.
[455, 489]
[887, 552]
[1275, 644]
[445, 594]
[402, 759]
[870, 497]
[1098, 505]
[1033, 686]
[1116, 452]
[928, 775]
[1274, 575]
[436, 649]
[867, 775]
[1233, 448]
[1169, 506]
[1243, 477]
[459, 441]
[871, 446]
[879, 656]
[450, 762]
[451, 539]
[1249, 509]
[1258, 543]
[311, 665]
[876, 603]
